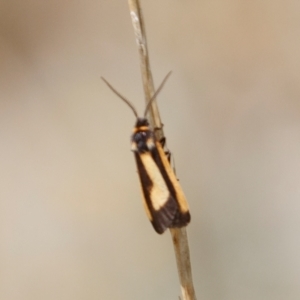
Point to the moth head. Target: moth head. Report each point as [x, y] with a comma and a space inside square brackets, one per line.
[142, 139]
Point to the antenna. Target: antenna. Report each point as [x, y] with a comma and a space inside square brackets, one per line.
[130, 104]
[123, 98]
[156, 93]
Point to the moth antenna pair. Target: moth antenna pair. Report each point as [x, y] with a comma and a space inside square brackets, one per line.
[130, 104]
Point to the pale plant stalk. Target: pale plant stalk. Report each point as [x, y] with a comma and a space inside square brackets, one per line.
[179, 235]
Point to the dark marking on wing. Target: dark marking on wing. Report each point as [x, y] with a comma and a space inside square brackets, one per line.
[164, 217]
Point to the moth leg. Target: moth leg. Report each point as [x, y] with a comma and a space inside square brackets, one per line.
[163, 142]
[173, 164]
[159, 128]
[168, 154]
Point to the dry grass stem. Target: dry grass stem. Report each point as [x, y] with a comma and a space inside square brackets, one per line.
[140, 35]
[179, 235]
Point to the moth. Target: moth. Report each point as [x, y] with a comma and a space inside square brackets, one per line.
[164, 200]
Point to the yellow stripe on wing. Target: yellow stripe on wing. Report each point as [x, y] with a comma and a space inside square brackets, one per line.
[159, 192]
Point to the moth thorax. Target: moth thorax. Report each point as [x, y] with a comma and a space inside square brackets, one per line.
[142, 139]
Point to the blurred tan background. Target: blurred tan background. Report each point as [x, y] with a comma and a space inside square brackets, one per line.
[72, 225]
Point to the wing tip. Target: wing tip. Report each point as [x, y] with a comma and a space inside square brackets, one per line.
[169, 216]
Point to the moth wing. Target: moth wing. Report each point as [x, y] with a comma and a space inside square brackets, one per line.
[160, 205]
[183, 216]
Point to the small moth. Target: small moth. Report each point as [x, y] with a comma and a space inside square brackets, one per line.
[164, 200]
